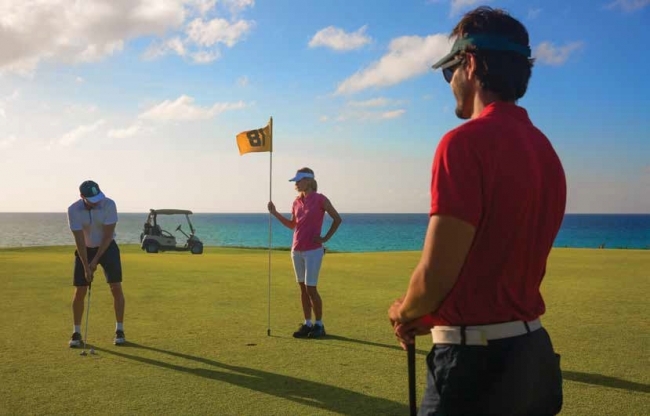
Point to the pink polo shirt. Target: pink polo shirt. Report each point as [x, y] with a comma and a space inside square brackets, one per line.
[308, 212]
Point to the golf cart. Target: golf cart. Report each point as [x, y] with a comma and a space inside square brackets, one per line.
[155, 239]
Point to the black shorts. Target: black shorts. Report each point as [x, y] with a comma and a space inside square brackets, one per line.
[110, 262]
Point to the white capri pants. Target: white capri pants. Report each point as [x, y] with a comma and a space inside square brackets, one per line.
[306, 265]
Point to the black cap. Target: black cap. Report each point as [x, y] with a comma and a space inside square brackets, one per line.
[91, 192]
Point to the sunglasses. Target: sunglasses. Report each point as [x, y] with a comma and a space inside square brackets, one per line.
[451, 67]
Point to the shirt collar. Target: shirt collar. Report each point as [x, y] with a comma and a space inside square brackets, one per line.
[503, 107]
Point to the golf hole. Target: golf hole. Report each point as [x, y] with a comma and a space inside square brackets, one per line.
[251, 345]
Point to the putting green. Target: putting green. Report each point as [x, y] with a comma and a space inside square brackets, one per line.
[196, 328]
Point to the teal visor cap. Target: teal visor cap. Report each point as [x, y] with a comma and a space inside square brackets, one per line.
[482, 41]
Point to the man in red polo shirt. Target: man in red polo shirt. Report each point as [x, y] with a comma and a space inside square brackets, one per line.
[498, 195]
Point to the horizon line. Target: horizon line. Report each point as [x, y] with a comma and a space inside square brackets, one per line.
[356, 212]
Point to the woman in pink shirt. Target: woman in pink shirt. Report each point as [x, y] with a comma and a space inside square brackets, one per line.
[307, 251]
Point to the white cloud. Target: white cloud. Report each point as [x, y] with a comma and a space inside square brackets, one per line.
[628, 5]
[338, 40]
[323, 119]
[209, 33]
[14, 95]
[183, 109]
[71, 31]
[5, 143]
[407, 57]
[205, 57]
[533, 13]
[366, 115]
[392, 114]
[125, 133]
[94, 53]
[236, 6]
[204, 6]
[80, 80]
[202, 37]
[549, 54]
[76, 110]
[243, 81]
[175, 45]
[459, 5]
[374, 102]
[34, 31]
[79, 132]
[6, 100]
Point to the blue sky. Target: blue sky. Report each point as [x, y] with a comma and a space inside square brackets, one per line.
[146, 97]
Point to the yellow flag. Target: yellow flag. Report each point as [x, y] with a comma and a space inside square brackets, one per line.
[260, 140]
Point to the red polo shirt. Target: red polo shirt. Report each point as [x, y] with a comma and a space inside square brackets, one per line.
[501, 174]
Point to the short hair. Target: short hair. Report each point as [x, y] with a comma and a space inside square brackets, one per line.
[505, 73]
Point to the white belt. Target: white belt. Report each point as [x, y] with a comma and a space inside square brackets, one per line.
[481, 334]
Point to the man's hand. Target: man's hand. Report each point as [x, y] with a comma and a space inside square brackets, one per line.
[90, 275]
[271, 208]
[407, 332]
[393, 312]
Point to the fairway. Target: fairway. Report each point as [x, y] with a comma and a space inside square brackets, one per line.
[197, 344]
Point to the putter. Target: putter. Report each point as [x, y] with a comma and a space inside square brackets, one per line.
[92, 350]
[410, 350]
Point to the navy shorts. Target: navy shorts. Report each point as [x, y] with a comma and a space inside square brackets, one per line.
[110, 262]
[512, 376]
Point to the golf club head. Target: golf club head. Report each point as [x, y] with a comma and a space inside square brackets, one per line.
[92, 351]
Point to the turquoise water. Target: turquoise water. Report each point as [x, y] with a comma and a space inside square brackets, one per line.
[358, 233]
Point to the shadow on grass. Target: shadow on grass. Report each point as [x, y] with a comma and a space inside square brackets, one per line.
[305, 392]
[606, 381]
[372, 344]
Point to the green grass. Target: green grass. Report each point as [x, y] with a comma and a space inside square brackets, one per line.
[196, 327]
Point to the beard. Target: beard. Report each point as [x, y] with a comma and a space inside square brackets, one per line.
[464, 97]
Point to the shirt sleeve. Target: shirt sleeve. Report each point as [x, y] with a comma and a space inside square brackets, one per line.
[456, 186]
[111, 213]
[73, 220]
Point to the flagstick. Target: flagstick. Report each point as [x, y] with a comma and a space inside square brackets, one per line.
[268, 330]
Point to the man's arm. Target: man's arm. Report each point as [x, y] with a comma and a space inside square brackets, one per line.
[109, 231]
[447, 242]
[80, 243]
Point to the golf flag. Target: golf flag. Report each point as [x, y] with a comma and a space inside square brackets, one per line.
[260, 140]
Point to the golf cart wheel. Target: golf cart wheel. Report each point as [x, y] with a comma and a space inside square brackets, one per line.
[197, 248]
[151, 247]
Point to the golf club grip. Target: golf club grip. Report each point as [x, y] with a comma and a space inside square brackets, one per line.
[410, 350]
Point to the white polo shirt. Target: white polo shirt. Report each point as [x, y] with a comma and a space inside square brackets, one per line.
[92, 221]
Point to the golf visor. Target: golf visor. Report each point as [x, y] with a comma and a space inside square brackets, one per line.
[301, 175]
[481, 41]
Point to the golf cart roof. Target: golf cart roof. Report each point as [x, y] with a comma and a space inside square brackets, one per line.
[170, 211]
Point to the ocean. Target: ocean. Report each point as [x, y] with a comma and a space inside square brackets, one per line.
[358, 233]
